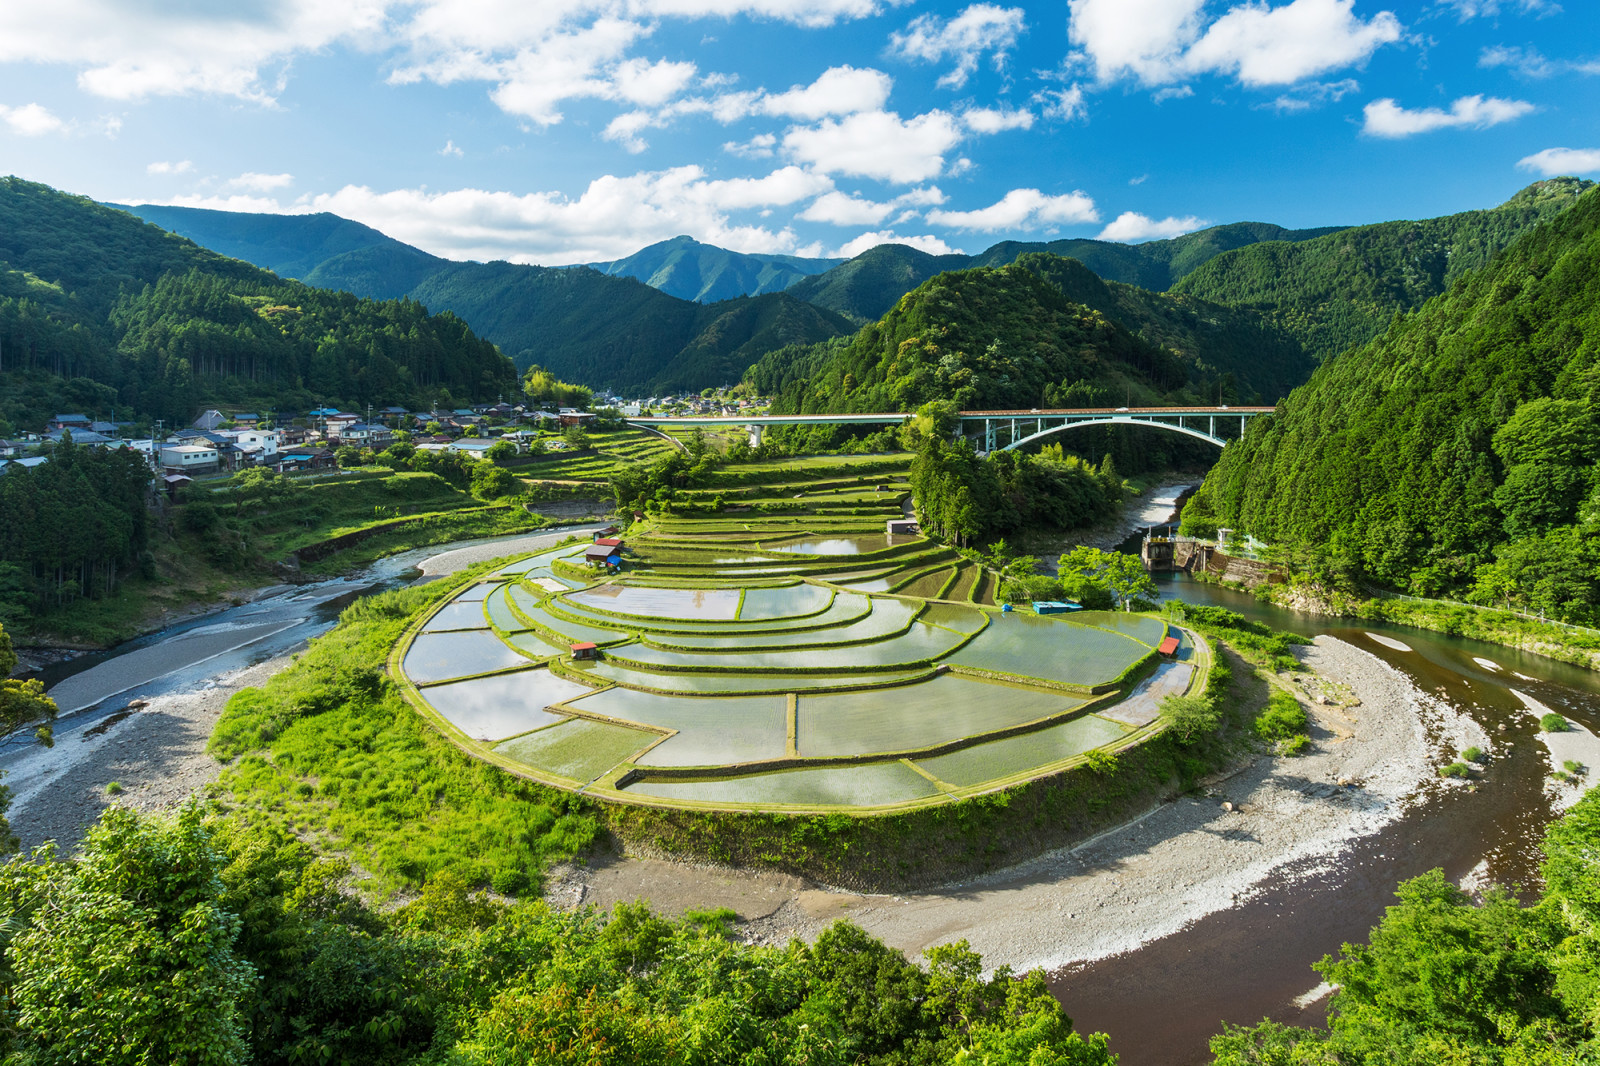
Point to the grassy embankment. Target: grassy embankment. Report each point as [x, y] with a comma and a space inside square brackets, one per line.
[330, 749]
[219, 545]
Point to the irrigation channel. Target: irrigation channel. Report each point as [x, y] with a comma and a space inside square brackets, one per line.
[1163, 1001]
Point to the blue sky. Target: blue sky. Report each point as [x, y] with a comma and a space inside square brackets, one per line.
[557, 131]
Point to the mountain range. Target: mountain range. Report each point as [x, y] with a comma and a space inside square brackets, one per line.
[681, 315]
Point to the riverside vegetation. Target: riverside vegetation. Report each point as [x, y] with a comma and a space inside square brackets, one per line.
[1454, 455]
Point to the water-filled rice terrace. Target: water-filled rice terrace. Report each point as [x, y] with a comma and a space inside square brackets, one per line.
[791, 657]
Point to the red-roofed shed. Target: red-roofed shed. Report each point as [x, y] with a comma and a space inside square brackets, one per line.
[585, 650]
[1169, 647]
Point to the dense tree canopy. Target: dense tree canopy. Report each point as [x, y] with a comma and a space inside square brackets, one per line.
[107, 315]
[1454, 454]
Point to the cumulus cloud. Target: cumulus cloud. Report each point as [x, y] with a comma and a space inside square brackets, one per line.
[925, 242]
[30, 120]
[1131, 227]
[1385, 118]
[761, 146]
[611, 218]
[261, 182]
[1021, 209]
[840, 90]
[1159, 42]
[993, 120]
[979, 29]
[1556, 161]
[877, 144]
[164, 167]
[128, 51]
[842, 209]
[451, 149]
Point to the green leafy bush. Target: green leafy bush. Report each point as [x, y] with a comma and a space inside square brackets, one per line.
[1553, 723]
[1456, 769]
[1282, 718]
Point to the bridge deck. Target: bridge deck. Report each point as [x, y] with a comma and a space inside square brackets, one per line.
[886, 417]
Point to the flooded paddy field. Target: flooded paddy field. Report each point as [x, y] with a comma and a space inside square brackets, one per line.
[795, 692]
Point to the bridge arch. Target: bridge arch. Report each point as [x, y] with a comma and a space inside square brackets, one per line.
[1120, 420]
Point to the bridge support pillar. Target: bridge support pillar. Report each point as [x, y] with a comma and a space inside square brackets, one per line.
[756, 430]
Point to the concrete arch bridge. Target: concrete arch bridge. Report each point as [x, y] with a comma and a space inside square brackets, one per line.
[1005, 430]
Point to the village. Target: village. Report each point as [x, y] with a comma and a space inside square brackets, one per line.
[220, 442]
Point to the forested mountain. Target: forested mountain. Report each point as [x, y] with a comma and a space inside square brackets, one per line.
[864, 288]
[291, 246]
[1342, 289]
[581, 324]
[104, 313]
[689, 270]
[1456, 453]
[1041, 332]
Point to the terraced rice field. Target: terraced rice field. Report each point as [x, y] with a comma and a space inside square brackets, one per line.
[759, 661]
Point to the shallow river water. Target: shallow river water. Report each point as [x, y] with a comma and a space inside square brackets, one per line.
[1162, 1002]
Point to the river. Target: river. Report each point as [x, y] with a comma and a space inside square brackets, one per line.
[1163, 1001]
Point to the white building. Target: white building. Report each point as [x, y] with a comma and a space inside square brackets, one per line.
[189, 459]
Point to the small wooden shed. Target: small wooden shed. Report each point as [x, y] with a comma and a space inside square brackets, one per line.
[585, 650]
[1169, 647]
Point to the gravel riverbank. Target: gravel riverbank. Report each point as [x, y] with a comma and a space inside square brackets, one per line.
[1377, 747]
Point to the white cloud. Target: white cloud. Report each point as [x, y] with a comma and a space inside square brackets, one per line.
[451, 149]
[261, 182]
[1531, 63]
[30, 120]
[647, 84]
[1468, 9]
[1557, 161]
[1130, 227]
[1283, 45]
[1385, 118]
[841, 90]
[978, 29]
[1021, 209]
[1315, 94]
[877, 144]
[842, 209]
[613, 217]
[761, 146]
[127, 51]
[993, 120]
[923, 242]
[164, 167]
[1062, 105]
[1172, 92]
[1159, 42]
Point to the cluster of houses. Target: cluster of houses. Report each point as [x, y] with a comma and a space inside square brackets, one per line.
[219, 442]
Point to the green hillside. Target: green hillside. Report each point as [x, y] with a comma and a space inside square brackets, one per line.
[619, 333]
[1041, 332]
[1455, 453]
[290, 246]
[689, 270]
[580, 323]
[1341, 290]
[864, 288]
[106, 314]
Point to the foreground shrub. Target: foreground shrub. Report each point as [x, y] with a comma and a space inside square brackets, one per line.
[1553, 723]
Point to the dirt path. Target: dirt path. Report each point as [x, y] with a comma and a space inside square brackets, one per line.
[1375, 746]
